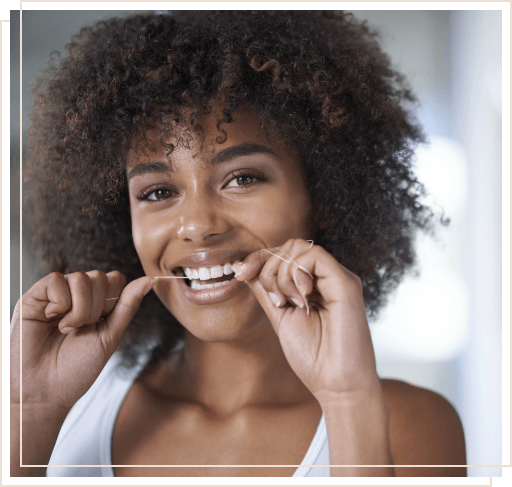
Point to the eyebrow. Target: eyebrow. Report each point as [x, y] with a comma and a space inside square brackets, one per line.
[147, 168]
[222, 156]
[239, 151]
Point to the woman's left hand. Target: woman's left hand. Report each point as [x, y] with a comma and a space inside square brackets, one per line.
[329, 348]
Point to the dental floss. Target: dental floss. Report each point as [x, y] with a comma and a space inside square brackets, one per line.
[298, 265]
[155, 277]
[291, 261]
[284, 260]
[170, 277]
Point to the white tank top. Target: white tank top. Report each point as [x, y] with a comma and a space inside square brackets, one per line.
[86, 435]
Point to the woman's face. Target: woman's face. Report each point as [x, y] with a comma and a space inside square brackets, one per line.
[210, 205]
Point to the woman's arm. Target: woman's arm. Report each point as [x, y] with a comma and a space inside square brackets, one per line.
[40, 430]
[358, 433]
[327, 342]
[64, 351]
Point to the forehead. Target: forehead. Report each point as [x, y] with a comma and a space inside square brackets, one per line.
[172, 141]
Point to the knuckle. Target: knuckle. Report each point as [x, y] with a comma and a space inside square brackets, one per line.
[261, 257]
[97, 275]
[102, 277]
[117, 276]
[268, 280]
[290, 243]
[55, 277]
[79, 277]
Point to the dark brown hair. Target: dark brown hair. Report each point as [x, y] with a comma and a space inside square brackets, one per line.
[320, 78]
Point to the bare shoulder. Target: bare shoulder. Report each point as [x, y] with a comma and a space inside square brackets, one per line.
[424, 429]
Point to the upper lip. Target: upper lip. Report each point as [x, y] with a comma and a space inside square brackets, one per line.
[210, 258]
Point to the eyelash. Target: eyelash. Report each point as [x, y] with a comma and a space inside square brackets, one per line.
[148, 192]
[238, 174]
[246, 173]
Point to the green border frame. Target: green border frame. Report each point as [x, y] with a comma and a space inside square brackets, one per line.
[505, 480]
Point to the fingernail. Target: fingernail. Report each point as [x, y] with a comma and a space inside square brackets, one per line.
[297, 302]
[238, 268]
[66, 330]
[299, 277]
[51, 315]
[275, 299]
[150, 285]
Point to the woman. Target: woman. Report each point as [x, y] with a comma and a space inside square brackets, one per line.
[252, 169]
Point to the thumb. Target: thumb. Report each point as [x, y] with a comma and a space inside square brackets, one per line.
[114, 325]
[274, 313]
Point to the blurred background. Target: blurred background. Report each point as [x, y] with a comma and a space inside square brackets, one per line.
[441, 330]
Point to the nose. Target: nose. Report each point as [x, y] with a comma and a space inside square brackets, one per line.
[201, 217]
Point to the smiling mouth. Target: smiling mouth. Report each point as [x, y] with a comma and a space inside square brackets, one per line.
[206, 277]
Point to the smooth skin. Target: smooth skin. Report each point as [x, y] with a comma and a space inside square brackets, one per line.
[258, 368]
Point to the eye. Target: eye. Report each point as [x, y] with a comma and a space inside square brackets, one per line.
[156, 194]
[243, 178]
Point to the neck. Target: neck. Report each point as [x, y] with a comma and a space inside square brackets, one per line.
[228, 376]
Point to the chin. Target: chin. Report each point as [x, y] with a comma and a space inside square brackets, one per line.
[225, 325]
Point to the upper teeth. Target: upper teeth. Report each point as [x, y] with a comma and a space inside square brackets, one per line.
[205, 273]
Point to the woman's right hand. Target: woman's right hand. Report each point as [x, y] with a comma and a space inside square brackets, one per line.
[64, 349]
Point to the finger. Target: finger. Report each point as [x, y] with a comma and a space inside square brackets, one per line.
[303, 282]
[251, 266]
[253, 263]
[266, 263]
[288, 278]
[274, 313]
[80, 289]
[47, 298]
[116, 284]
[268, 279]
[333, 281]
[287, 285]
[127, 305]
[44, 302]
[99, 284]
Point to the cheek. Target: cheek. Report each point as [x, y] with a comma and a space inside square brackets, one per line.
[149, 240]
[280, 217]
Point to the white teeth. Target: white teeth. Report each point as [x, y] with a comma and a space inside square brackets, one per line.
[216, 271]
[195, 284]
[196, 274]
[204, 273]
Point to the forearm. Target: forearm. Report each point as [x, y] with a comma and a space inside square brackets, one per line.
[358, 433]
[40, 430]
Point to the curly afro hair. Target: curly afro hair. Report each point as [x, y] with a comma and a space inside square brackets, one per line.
[320, 78]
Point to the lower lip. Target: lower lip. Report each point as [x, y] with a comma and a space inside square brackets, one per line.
[210, 295]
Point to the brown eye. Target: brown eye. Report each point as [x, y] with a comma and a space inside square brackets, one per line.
[241, 181]
[243, 178]
[156, 194]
